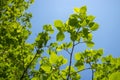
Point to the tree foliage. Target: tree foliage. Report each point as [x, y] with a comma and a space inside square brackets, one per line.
[18, 58]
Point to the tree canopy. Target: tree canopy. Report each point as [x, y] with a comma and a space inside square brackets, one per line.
[18, 58]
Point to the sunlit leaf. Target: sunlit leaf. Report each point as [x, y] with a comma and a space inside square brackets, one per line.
[53, 58]
[62, 60]
[58, 23]
[90, 44]
[54, 44]
[115, 76]
[90, 18]
[77, 56]
[93, 26]
[89, 36]
[84, 23]
[83, 9]
[76, 10]
[60, 36]
[46, 68]
[48, 28]
[70, 45]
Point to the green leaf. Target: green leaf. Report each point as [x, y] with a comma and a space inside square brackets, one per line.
[46, 68]
[85, 32]
[83, 9]
[62, 60]
[73, 21]
[84, 23]
[89, 36]
[90, 44]
[73, 36]
[48, 28]
[80, 66]
[76, 10]
[94, 26]
[60, 36]
[77, 56]
[59, 48]
[115, 76]
[100, 52]
[53, 58]
[58, 23]
[90, 18]
[70, 45]
[55, 44]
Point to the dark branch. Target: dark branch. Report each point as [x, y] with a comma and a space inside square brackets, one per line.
[67, 51]
[81, 70]
[28, 66]
[69, 69]
[92, 71]
[79, 43]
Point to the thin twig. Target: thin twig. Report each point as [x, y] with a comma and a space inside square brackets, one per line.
[67, 51]
[81, 70]
[79, 43]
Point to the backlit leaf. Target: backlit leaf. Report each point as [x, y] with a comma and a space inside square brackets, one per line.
[53, 58]
[70, 45]
[83, 9]
[76, 10]
[46, 68]
[60, 36]
[48, 28]
[90, 18]
[58, 23]
[90, 44]
[77, 56]
[115, 76]
[94, 26]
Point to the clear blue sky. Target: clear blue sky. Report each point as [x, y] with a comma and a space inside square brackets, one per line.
[107, 14]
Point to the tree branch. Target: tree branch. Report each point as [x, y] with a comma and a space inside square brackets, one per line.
[69, 69]
[79, 43]
[28, 66]
[92, 71]
[81, 70]
[67, 51]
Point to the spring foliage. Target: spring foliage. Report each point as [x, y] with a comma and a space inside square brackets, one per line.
[18, 58]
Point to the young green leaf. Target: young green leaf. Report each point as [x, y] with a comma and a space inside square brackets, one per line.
[58, 23]
[83, 9]
[76, 10]
[90, 44]
[59, 48]
[46, 68]
[62, 60]
[48, 28]
[84, 23]
[94, 26]
[77, 56]
[115, 76]
[89, 36]
[60, 36]
[90, 18]
[70, 45]
[53, 58]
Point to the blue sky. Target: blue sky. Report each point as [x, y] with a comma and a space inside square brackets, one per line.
[107, 14]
